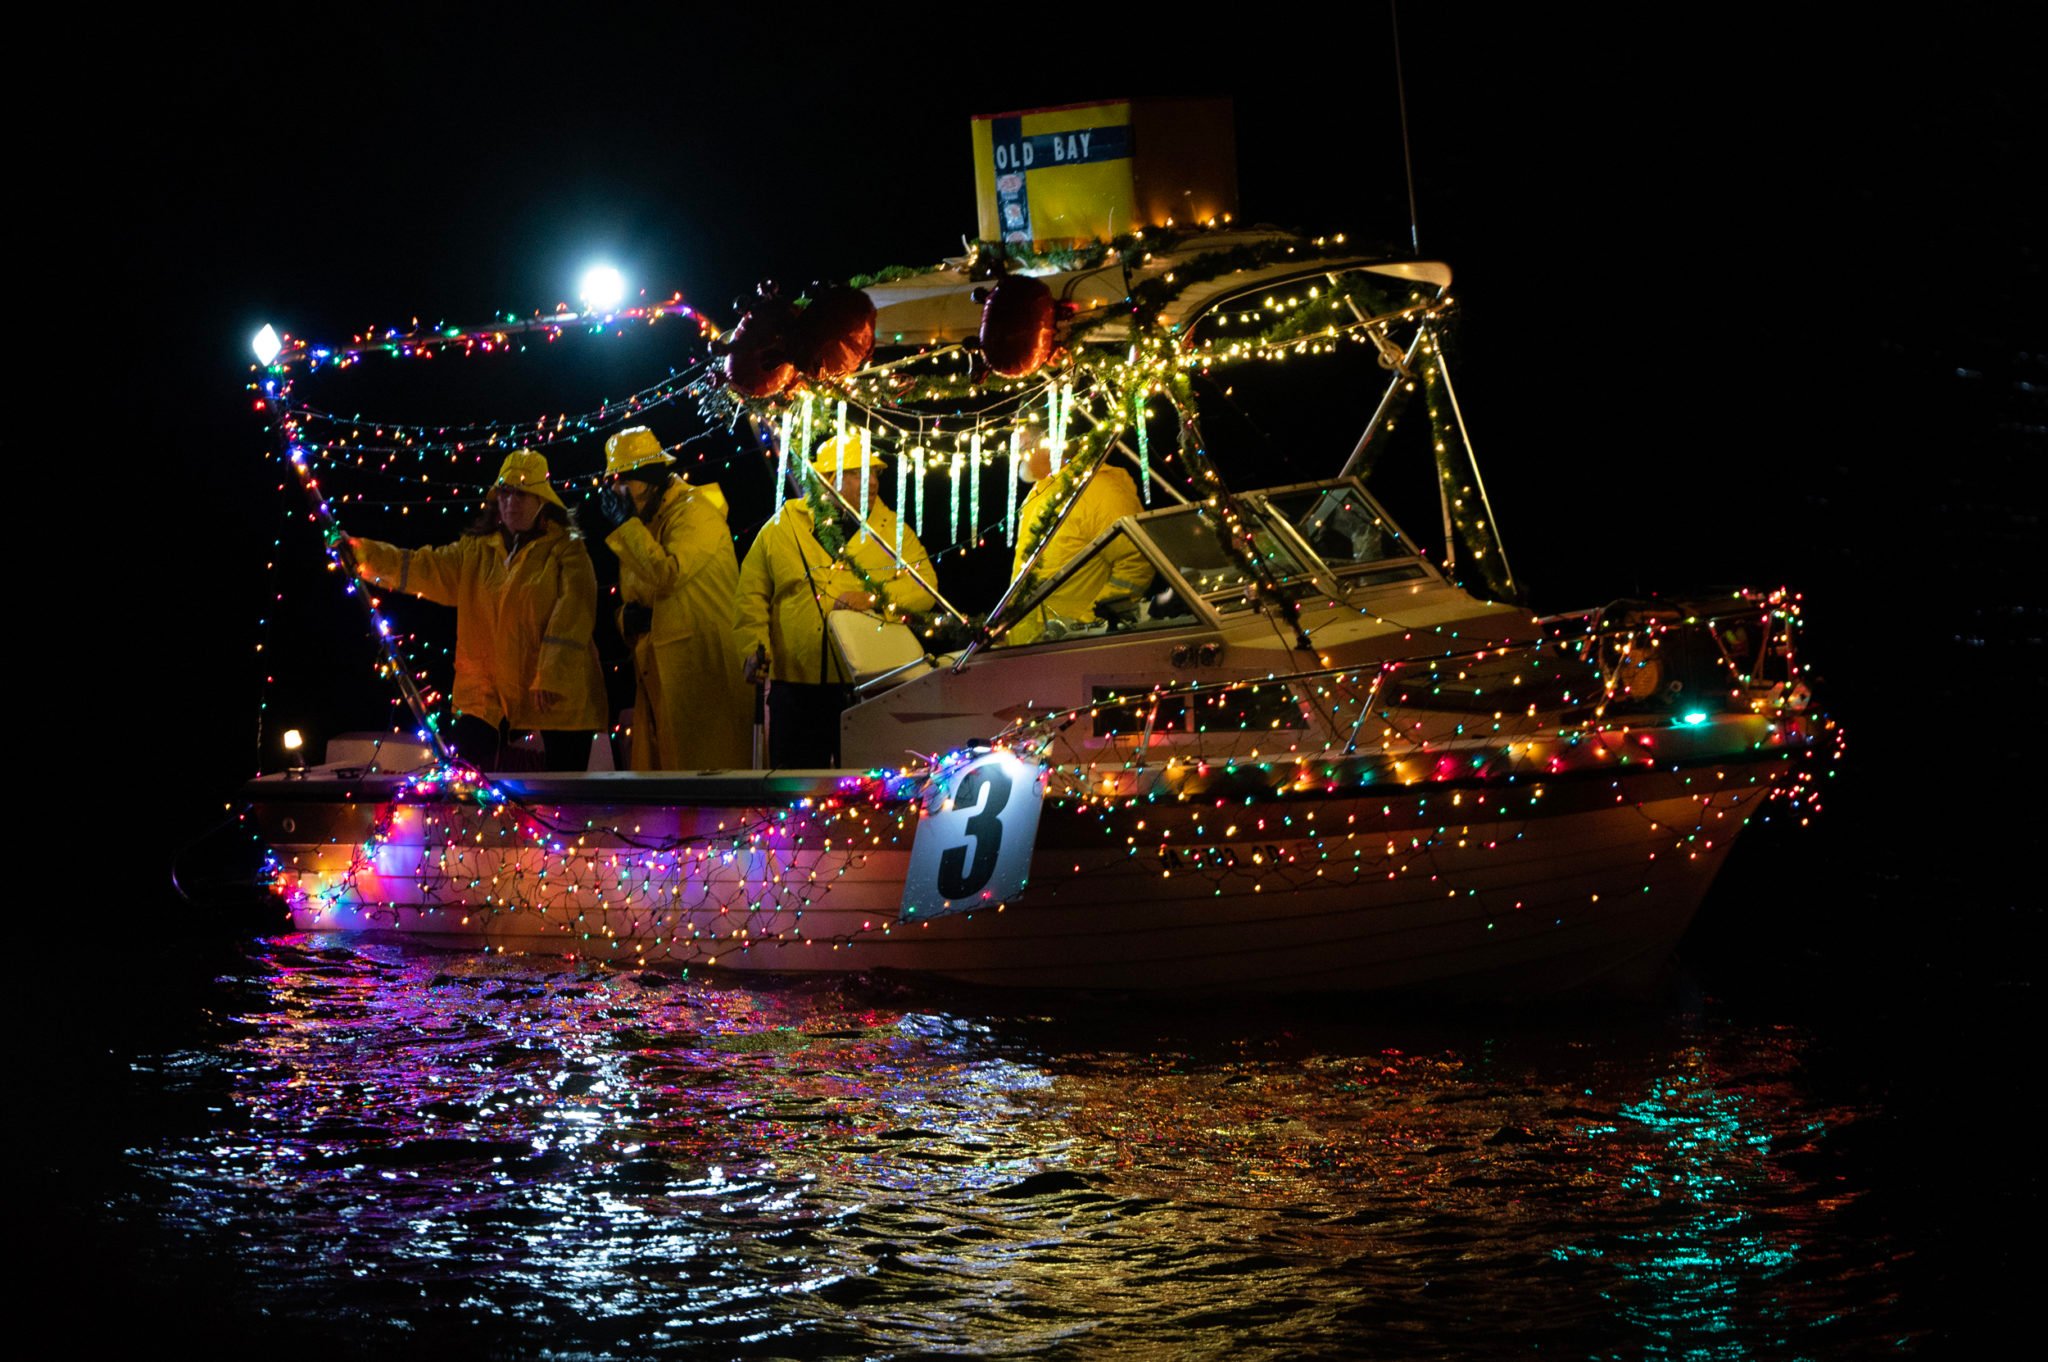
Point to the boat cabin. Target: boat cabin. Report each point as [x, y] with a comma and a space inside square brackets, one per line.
[1361, 592]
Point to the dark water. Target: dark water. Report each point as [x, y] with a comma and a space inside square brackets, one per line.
[319, 1148]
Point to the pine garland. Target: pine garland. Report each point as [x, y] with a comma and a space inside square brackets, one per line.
[1155, 363]
[1094, 446]
[1151, 295]
[1370, 298]
[830, 533]
[1468, 520]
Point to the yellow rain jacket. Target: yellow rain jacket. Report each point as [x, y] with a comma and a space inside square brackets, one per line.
[522, 621]
[1117, 574]
[781, 607]
[691, 710]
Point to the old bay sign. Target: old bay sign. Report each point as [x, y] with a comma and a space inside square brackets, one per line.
[973, 845]
[1073, 173]
[1016, 153]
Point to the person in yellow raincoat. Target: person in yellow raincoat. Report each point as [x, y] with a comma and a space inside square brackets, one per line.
[525, 598]
[789, 583]
[678, 575]
[1119, 573]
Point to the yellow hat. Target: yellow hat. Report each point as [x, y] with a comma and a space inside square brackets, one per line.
[842, 455]
[526, 471]
[634, 447]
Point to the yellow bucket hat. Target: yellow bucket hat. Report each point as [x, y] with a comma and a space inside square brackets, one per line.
[526, 471]
[842, 454]
[634, 447]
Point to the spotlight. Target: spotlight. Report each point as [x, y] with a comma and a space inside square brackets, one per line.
[604, 288]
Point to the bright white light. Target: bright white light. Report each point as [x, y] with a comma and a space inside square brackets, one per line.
[604, 288]
[266, 344]
[293, 740]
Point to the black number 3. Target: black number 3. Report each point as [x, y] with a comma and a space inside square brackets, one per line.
[986, 826]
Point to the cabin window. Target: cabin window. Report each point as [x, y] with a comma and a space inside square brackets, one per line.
[1262, 708]
[1112, 590]
[1191, 543]
[1343, 528]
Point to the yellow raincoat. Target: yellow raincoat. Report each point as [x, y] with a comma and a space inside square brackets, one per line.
[522, 622]
[691, 710]
[1112, 575]
[781, 607]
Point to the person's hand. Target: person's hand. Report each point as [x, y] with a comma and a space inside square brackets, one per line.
[610, 507]
[546, 700]
[854, 600]
[355, 554]
[755, 669]
[635, 619]
[1115, 611]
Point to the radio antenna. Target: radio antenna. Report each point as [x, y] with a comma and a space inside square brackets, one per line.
[1407, 159]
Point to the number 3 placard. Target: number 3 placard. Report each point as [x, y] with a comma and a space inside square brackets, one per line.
[973, 847]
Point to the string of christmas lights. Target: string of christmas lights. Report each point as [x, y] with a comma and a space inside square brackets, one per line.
[1249, 786]
[1435, 773]
[456, 851]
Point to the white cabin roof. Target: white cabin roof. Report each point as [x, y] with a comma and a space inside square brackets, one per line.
[938, 307]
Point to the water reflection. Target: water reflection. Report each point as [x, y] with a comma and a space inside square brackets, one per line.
[517, 1152]
[1693, 1172]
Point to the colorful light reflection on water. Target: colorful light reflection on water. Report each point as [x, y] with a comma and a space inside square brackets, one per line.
[516, 1156]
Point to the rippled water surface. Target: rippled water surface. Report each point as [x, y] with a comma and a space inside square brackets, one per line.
[365, 1149]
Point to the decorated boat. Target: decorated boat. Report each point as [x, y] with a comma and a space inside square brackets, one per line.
[1297, 752]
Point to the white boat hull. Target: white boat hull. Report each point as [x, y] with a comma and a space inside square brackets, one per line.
[1528, 890]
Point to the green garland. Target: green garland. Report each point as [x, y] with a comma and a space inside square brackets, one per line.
[1468, 520]
[1016, 256]
[1094, 448]
[1146, 300]
[1151, 295]
[831, 536]
[1370, 298]
[922, 380]
[889, 274]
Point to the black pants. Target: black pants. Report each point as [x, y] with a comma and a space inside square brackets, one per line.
[803, 724]
[485, 745]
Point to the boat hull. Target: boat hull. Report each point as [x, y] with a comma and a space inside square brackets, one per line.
[1527, 888]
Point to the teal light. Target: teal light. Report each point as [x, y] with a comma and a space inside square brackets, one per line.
[1693, 718]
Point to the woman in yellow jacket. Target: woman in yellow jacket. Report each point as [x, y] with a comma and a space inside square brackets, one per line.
[790, 582]
[678, 574]
[525, 598]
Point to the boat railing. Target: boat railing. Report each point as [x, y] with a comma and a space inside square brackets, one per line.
[1571, 698]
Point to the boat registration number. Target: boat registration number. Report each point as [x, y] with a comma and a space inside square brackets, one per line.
[974, 842]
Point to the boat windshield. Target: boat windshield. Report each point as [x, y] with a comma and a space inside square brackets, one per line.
[1112, 589]
[1191, 543]
[1339, 525]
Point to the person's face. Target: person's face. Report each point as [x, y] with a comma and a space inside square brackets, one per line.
[848, 484]
[1036, 461]
[518, 509]
[641, 493]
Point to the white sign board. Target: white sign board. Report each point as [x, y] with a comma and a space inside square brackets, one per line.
[973, 847]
